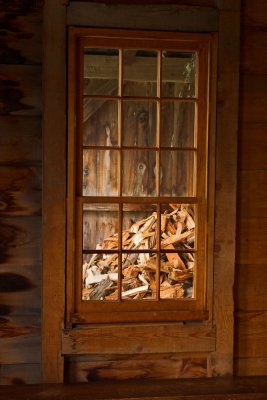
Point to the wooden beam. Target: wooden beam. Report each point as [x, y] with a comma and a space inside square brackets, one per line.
[54, 188]
[165, 17]
[139, 338]
[167, 389]
[225, 203]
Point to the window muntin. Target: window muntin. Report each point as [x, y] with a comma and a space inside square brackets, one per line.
[165, 110]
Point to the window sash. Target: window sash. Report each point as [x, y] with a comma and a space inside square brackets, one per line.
[96, 309]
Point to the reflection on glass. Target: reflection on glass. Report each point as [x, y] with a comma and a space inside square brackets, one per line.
[139, 276]
[100, 226]
[178, 74]
[139, 73]
[100, 172]
[177, 169]
[176, 281]
[100, 122]
[177, 124]
[138, 175]
[178, 227]
[101, 71]
[139, 226]
[139, 123]
[100, 277]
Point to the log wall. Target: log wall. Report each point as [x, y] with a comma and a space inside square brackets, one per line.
[251, 249]
[20, 191]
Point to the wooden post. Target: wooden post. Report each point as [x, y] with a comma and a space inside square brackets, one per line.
[225, 203]
[54, 188]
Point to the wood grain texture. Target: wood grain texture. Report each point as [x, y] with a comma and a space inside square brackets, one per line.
[54, 188]
[165, 17]
[254, 13]
[20, 90]
[20, 191]
[225, 200]
[253, 98]
[253, 51]
[200, 3]
[251, 334]
[250, 291]
[154, 366]
[168, 389]
[250, 366]
[251, 243]
[251, 197]
[20, 339]
[20, 240]
[20, 289]
[142, 338]
[21, 37]
[21, 6]
[252, 146]
[20, 140]
[20, 374]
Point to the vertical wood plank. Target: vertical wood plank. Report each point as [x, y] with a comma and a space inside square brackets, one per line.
[225, 206]
[54, 186]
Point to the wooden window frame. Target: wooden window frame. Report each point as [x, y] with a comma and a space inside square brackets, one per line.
[137, 311]
[215, 337]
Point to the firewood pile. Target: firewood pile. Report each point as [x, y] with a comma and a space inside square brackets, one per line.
[100, 273]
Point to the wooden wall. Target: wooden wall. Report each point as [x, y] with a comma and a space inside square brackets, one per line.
[20, 209]
[20, 191]
[251, 248]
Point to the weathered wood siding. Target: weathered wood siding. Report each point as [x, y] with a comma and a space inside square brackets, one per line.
[251, 255]
[20, 211]
[20, 191]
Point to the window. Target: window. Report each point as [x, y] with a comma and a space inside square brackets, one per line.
[138, 168]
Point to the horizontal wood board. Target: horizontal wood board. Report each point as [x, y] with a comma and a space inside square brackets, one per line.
[20, 289]
[252, 146]
[20, 374]
[21, 37]
[251, 334]
[20, 339]
[253, 98]
[180, 18]
[20, 140]
[133, 366]
[252, 191]
[252, 238]
[20, 240]
[20, 191]
[142, 338]
[250, 290]
[190, 389]
[20, 90]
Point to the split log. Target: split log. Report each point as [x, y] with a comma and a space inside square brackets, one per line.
[100, 274]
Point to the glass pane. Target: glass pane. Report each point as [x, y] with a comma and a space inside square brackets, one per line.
[100, 277]
[100, 122]
[138, 175]
[178, 74]
[177, 173]
[139, 276]
[139, 123]
[101, 71]
[178, 228]
[100, 173]
[139, 227]
[177, 124]
[100, 226]
[139, 73]
[176, 282]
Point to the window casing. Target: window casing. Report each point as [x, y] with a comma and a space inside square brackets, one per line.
[129, 163]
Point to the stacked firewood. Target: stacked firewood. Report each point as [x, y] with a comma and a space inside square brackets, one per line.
[100, 273]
